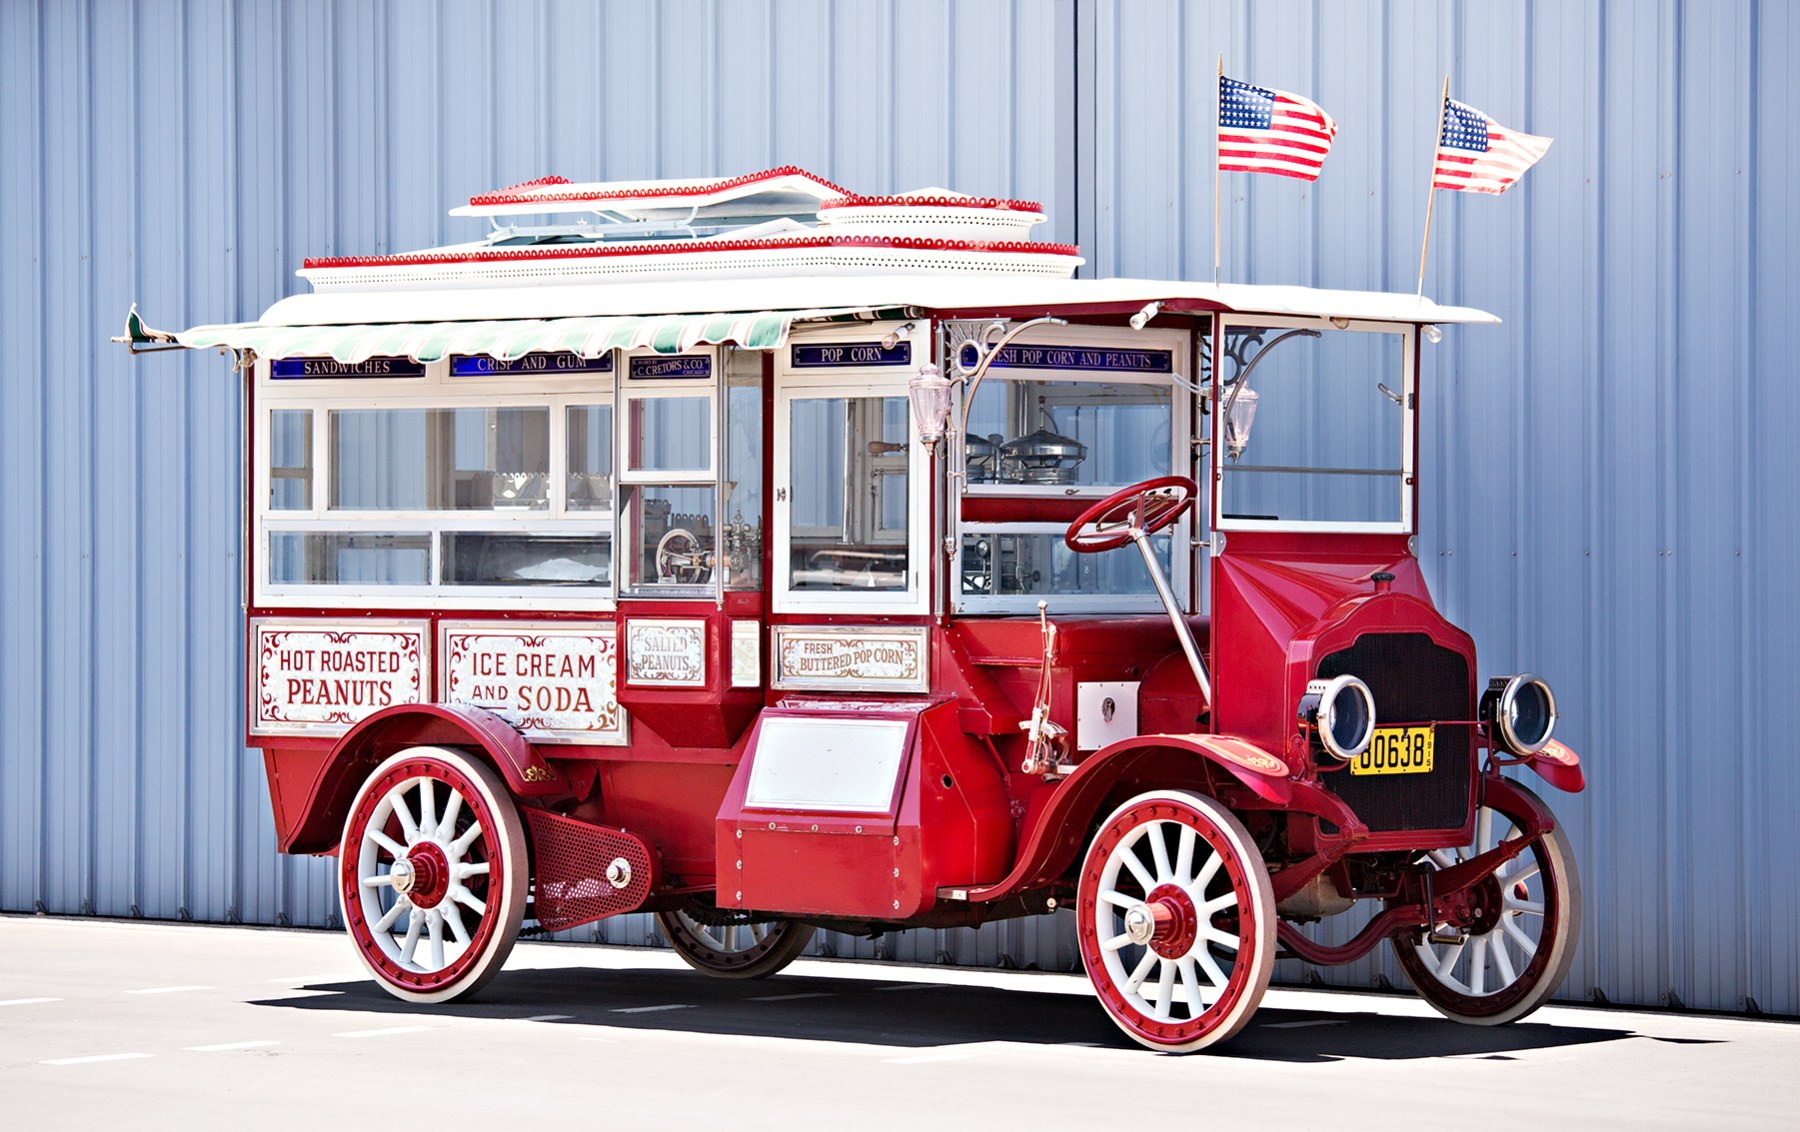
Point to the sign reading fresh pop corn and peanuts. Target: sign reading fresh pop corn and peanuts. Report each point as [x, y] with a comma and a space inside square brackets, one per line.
[556, 684]
[314, 677]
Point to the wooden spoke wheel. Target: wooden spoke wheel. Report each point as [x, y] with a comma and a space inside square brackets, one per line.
[1175, 917]
[733, 945]
[1516, 952]
[432, 874]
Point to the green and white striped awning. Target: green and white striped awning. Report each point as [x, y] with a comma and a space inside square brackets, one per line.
[589, 337]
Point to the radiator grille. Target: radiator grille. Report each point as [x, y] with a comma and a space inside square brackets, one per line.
[1413, 681]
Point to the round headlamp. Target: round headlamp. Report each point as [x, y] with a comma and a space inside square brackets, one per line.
[1342, 710]
[1520, 711]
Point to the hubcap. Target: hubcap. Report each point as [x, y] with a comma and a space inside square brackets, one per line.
[402, 872]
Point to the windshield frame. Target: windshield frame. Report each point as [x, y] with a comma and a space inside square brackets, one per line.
[1408, 334]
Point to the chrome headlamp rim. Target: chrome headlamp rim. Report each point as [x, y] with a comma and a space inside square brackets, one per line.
[1320, 708]
[1501, 714]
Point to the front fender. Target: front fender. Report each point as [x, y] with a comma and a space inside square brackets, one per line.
[1560, 767]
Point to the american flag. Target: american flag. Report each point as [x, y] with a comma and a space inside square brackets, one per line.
[1271, 131]
[1477, 154]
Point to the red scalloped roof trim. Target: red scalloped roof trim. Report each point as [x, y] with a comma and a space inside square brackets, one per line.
[514, 195]
[683, 247]
[854, 201]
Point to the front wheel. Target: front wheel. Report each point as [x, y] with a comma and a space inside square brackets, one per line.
[730, 944]
[1517, 952]
[1176, 920]
[432, 874]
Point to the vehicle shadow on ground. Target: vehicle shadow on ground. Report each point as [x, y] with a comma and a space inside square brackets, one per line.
[921, 1015]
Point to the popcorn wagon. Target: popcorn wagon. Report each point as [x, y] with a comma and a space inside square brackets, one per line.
[772, 558]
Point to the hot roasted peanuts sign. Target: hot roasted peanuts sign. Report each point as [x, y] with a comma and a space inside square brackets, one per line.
[887, 659]
[554, 683]
[324, 677]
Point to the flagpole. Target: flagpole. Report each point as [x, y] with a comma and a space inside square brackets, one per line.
[1219, 108]
[1431, 183]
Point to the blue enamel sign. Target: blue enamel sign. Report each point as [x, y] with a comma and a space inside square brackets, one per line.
[553, 365]
[321, 369]
[850, 354]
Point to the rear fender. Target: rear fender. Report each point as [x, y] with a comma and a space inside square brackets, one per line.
[1053, 843]
[483, 733]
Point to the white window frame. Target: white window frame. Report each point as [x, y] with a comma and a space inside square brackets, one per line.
[846, 383]
[435, 390]
[1408, 334]
[710, 387]
[1179, 342]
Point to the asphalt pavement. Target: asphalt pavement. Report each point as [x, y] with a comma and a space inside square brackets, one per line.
[160, 1026]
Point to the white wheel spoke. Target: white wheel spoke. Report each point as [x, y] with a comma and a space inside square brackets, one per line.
[1484, 829]
[1478, 966]
[1159, 853]
[1510, 925]
[1115, 942]
[1442, 858]
[1502, 960]
[1222, 938]
[394, 847]
[1141, 971]
[467, 899]
[428, 808]
[452, 809]
[758, 933]
[392, 914]
[461, 844]
[407, 825]
[1211, 907]
[384, 880]
[413, 927]
[1528, 907]
[1214, 974]
[1210, 869]
[462, 871]
[436, 924]
[1128, 855]
[1190, 987]
[1120, 900]
[1528, 869]
[1184, 856]
[1165, 987]
[1448, 961]
[453, 917]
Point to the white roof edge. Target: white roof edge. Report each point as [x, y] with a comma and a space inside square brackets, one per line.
[958, 292]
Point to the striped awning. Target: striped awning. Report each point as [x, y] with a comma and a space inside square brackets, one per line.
[589, 337]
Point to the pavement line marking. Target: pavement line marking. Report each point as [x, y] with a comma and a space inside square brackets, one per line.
[1303, 1025]
[223, 1046]
[27, 1001]
[651, 1009]
[914, 986]
[549, 1017]
[924, 1058]
[167, 990]
[314, 979]
[791, 997]
[384, 1032]
[91, 1060]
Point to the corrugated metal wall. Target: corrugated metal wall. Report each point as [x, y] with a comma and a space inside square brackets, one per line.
[1609, 501]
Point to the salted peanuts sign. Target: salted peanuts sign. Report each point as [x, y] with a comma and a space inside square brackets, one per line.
[556, 684]
[313, 677]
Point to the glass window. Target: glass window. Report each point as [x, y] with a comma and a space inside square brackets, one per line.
[333, 558]
[477, 459]
[507, 559]
[1316, 432]
[1010, 563]
[742, 531]
[670, 434]
[290, 459]
[1068, 433]
[590, 457]
[674, 539]
[848, 517]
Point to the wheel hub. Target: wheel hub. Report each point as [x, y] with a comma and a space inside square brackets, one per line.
[1166, 922]
[429, 871]
[402, 872]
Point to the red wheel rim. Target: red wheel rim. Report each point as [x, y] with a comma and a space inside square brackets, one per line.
[429, 874]
[1198, 914]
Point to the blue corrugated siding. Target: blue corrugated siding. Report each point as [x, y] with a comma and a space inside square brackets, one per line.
[1609, 493]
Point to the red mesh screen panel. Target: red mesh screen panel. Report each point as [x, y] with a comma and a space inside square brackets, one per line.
[580, 877]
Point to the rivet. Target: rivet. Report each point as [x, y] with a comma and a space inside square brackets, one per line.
[740, 864]
[815, 827]
[859, 829]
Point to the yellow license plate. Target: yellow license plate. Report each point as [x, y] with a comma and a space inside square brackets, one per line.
[1397, 750]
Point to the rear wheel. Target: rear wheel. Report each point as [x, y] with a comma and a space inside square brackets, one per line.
[733, 944]
[1176, 920]
[1519, 948]
[432, 874]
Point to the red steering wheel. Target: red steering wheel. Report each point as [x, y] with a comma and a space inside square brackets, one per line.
[1149, 507]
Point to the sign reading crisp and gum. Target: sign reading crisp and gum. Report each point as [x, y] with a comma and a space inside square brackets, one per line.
[889, 659]
[323, 677]
[555, 684]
